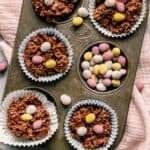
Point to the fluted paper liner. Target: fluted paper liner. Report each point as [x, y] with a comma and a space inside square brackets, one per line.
[7, 137]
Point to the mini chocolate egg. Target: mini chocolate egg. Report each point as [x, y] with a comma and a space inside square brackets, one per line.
[90, 118]
[83, 12]
[37, 124]
[116, 51]
[102, 69]
[100, 87]
[108, 74]
[107, 82]
[108, 64]
[31, 109]
[65, 99]
[37, 60]
[116, 66]
[3, 66]
[119, 17]
[95, 50]
[26, 117]
[88, 56]
[45, 46]
[85, 65]
[96, 69]
[91, 83]
[48, 2]
[103, 47]
[107, 55]
[81, 131]
[91, 69]
[50, 64]
[98, 129]
[110, 3]
[116, 83]
[77, 21]
[120, 6]
[94, 77]
[92, 63]
[116, 74]
[123, 72]
[122, 60]
[98, 58]
[86, 74]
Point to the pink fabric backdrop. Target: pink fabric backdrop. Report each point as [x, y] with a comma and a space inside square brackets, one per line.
[137, 133]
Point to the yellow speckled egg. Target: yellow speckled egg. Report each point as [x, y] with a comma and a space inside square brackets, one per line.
[102, 69]
[94, 77]
[90, 118]
[96, 70]
[116, 83]
[26, 117]
[119, 17]
[116, 52]
[50, 64]
[116, 66]
[88, 56]
[77, 21]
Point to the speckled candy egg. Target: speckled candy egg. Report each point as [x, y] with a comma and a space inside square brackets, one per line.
[86, 74]
[96, 69]
[120, 6]
[100, 87]
[26, 117]
[107, 82]
[98, 129]
[122, 60]
[109, 3]
[81, 131]
[103, 47]
[85, 65]
[37, 124]
[48, 2]
[90, 118]
[107, 55]
[116, 74]
[50, 64]
[3, 66]
[119, 17]
[116, 51]
[102, 69]
[65, 99]
[31, 109]
[37, 60]
[77, 21]
[95, 50]
[123, 72]
[108, 74]
[116, 66]
[116, 83]
[108, 64]
[98, 58]
[45, 46]
[91, 83]
[88, 56]
[83, 12]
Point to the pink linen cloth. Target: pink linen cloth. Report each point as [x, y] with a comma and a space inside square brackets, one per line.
[137, 133]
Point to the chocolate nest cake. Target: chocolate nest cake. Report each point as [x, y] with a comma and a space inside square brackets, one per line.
[46, 55]
[91, 126]
[54, 10]
[28, 119]
[117, 16]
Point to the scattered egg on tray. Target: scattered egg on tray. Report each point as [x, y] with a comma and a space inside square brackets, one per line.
[103, 66]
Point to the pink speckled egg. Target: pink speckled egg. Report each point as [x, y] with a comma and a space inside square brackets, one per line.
[107, 82]
[120, 6]
[107, 55]
[37, 60]
[95, 50]
[91, 83]
[122, 60]
[37, 124]
[103, 47]
[98, 129]
[3, 66]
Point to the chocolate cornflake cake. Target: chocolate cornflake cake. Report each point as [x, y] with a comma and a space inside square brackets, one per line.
[46, 55]
[28, 119]
[117, 16]
[54, 10]
[91, 126]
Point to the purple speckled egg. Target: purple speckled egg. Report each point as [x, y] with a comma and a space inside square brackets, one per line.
[37, 60]
[98, 129]
[120, 6]
[107, 55]
[103, 47]
[107, 82]
[3, 66]
[37, 124]
[95, 50]
[122, 60]
[91, 83]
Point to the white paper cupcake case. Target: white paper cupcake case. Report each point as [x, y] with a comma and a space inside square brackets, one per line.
[49, 31]
[91, 102]
[7, 137]
[92, 5]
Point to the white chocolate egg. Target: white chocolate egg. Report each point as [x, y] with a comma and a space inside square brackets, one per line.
[123, 72]
[83, 12]
[98, 58]
[108, 74]
[48, 2]
[86, 74]
[116, 74]
[45, 46]
[65, 99]
[109, 3]
[82, 131]
[85, 65]
[31, 109]
[100, 87]
[108, 64]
